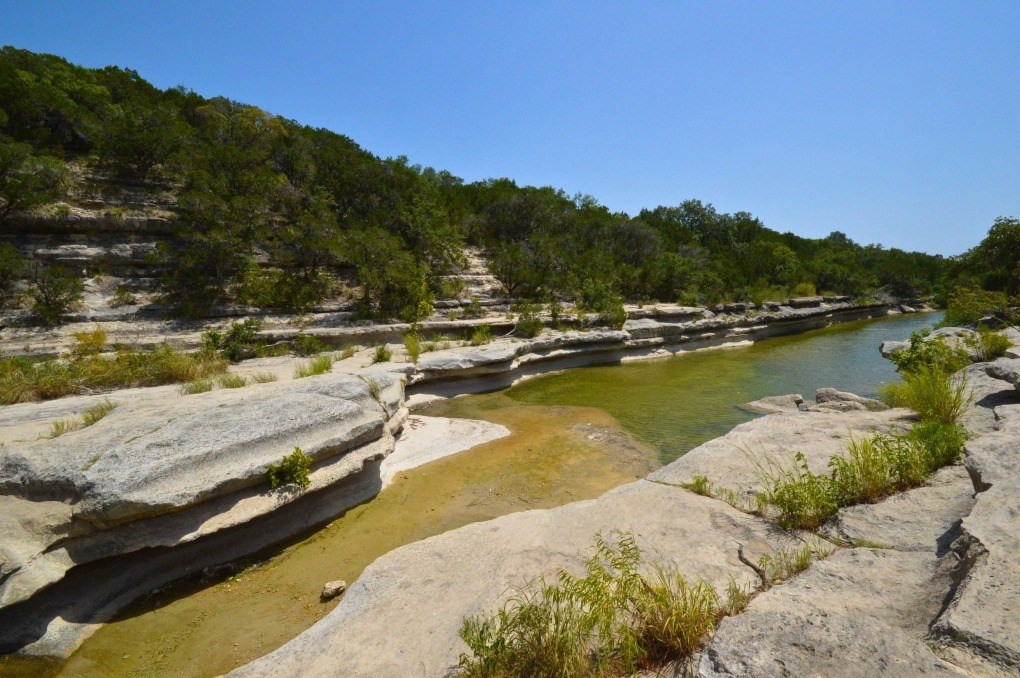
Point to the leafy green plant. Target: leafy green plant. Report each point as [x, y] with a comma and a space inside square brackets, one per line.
[382, 354]
[320, 364]
[239, 342]
[528, 323]
[699, 485]
[12, 267]
[968, 303]
[88, 343]
[927, 352]
[991, 344]
[804, 499]
[54, 293]
[482, 334]
[123, 297]
[308, 345]
[474, 309]
[293, 469]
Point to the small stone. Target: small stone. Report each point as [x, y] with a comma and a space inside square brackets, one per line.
[333, 589]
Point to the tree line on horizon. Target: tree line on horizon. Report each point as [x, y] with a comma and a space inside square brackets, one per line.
[275, 214]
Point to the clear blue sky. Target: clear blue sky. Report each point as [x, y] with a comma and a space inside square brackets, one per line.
[897, 123]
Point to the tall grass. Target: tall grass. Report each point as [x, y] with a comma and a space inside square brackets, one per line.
[85, 371]
[872, 469]
[612, 621]
[932, 393]
[320, 364]
[87, 418]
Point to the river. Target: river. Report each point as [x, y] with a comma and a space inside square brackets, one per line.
[574, 435]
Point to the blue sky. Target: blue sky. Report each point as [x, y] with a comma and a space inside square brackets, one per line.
[896, 123]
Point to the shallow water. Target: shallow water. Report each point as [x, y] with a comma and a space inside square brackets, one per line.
[573, 436]
[675, 404]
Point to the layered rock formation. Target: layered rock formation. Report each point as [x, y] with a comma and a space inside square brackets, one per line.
[165, 486]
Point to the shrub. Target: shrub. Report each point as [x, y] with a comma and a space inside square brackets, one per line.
[474, 309]
[804, 289]
[382, 354]
[932, 393]
[12, 267]
[294, 469]
[320, 364]
[968, 304]
[528, 323]
[307, 345]
[239, 342]
[615, 317]
[232, 381]
[481, 335]
[196, 386]
[263, 377]
[123, 297]
[88, 344]
[991, 344]
[348, 352]
[55, 291]
[612, 621]
[412, 343]
[926, 352]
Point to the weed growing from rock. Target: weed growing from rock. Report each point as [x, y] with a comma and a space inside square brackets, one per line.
[481, 335]
[294, 469]
[382, 354]
[87, 418]
[412, 343]
[263, 377]
[932, 393]
[698, 485]
[320, 364]
[232, 381]
[196, 386]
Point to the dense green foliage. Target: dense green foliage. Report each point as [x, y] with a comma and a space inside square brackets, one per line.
[275, 214]
[293, 469]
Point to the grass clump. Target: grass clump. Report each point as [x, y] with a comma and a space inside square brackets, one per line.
[612, 621]
[196, 386]
[97, 412]
[232, 381]
[412, 343]
[347, 352]
[382, 354]
[320, 364]
[699, 485]
[871, 470]
[481, 335]
[780, 565]
[293, 469]
[991, 344]
[87, 418]
[263, 377]
[239, 342]
[932, 393]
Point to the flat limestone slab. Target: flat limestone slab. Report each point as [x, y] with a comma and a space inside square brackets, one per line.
[729, 461]
[924, 519]
[860, 612]
[425, 439]
[402, 616]
[982, 622]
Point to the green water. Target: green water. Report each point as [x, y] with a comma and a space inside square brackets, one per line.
[675, 404]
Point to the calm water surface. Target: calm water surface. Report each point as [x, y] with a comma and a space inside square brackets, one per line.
[677, 403]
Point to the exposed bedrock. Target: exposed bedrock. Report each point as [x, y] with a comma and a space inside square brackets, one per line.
[165, 485]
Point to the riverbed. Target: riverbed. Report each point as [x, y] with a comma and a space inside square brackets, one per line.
[574, 435]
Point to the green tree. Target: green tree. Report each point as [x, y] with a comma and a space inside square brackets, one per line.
[996, 259]
[27, 180]
[54, 292]
[12, 268]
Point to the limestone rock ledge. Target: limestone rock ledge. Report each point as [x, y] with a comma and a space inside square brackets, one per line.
[163, 487]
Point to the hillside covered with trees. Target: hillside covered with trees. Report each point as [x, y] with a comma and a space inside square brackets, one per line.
[274, 214]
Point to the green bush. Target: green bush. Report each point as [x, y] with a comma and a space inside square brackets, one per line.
[968, 304]
[232, 381]
[481, 335]
[12, 267]
[196, 386]
[293, 469]
[615, 620]
[55, 292]
[123, 297]
[238, 343]
[529, 325]
[382, 354]
[699, 485]
[804, 499]
[991, 344]
[926, 352]
[308, 345]
[615, 317]
[263, 377]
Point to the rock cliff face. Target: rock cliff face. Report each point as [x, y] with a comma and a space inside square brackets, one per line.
[163, 486]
